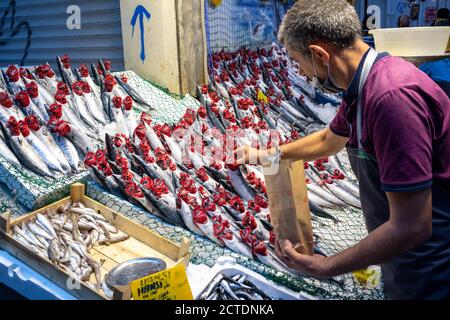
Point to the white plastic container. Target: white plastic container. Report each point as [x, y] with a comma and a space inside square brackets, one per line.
[229, 268]
[412, 42]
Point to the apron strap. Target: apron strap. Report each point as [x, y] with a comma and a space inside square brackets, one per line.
[368, 64]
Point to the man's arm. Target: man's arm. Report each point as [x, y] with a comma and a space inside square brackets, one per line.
[317, 145]
[409, 226]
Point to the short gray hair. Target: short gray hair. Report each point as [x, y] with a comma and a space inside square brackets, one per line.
[334, 22]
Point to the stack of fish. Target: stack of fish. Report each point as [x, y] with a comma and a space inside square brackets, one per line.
[65, 236]
[49, 123]
[237, 287]
[181, 174]
[187, 175]
[288, 95]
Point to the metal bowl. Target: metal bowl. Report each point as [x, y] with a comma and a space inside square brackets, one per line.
[128, 271]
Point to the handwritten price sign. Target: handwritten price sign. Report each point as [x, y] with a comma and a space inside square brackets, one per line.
[170, 284]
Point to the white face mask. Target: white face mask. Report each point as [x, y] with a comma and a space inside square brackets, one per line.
[329, 84]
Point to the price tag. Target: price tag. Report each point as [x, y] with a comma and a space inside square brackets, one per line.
[170, 284]
[262, 97]
[368, 278]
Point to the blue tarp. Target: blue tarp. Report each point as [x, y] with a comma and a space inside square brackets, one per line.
[437, 70]
[27, 282]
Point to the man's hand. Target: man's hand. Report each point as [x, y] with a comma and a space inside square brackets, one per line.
[409, 225]
[315, 265]
[249, 155]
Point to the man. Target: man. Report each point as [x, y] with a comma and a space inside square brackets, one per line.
[442, 18]
[395, 122]
[404, 21]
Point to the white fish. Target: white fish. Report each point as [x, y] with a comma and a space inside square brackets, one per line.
[84, 113]
[44, 222]
[69, 151]
[95, 109]
[38, 230]
[27, 155]
[186, 214]
[153, 138]
[7, 154]
[46, 154]
[44, 135]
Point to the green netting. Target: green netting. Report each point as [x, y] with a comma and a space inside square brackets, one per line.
[32, 190]
[331, 237]
[168, 109]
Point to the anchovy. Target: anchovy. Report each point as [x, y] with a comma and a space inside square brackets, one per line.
[37, 230]
[89, 212]
[44, 222]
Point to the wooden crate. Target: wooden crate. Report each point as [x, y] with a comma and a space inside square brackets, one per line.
[142, 243]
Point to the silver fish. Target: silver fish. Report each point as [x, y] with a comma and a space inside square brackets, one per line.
[44, 151]
[240, 185]
[89, 212]
[43, 221]
[45, 136]
[26, 153]
[38, 230]
[7, 154]
[69, 151]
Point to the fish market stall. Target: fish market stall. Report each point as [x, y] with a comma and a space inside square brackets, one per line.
[58, 233]
[139, 156]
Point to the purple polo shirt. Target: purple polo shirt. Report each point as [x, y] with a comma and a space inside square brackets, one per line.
[405, 125]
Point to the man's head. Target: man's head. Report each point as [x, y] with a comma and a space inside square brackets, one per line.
[314, 32]
[443, 13]
[404, 21]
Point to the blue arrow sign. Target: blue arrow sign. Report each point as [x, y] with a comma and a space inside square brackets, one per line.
[140, 12]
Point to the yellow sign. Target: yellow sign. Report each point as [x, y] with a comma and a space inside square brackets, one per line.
[215, 3]
[262, 97]
[369, 278]
[170, 284]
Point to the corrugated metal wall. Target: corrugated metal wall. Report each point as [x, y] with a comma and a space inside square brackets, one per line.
[100, 35]
[392, 9]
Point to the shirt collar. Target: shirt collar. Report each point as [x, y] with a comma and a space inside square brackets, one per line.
[351, 94]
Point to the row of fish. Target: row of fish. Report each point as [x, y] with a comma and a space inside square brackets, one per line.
[237, 287]
[186, 173]
[49, 123]
[65, 236]
[269, 80]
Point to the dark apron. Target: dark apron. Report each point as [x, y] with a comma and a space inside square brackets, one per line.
[423, 272]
